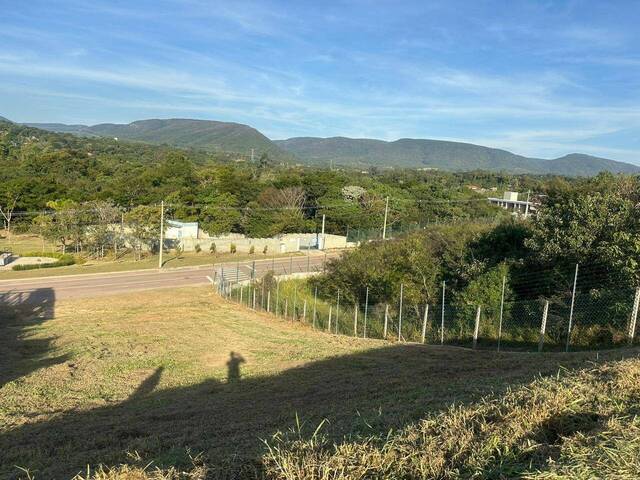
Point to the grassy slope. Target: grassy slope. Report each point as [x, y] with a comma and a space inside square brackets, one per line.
[144, 376]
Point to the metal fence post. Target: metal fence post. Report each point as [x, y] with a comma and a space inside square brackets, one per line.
[476, 329]
[400, 313]
[424, 323]
[543, 325]
[304, 311]
[268, 301]
[355, 319]
[315, 301]
[442, 321]
[366, 307]
[277, 296]
[254, 298]
[338, 311]
[294, 313]
[386, 321]
[573, 300]
[634, 317]
[504, 283]
[329, 323]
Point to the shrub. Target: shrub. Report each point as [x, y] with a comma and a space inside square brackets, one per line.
[197, 248]
[265, 249]
[212, 248]
[64, 260]
[232, 248]
[252, 249]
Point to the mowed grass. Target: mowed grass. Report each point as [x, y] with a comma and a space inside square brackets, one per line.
[33, 244]
[144, 377]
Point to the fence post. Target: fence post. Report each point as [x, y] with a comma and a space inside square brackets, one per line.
[400, 313]
[504, 283]
[286, 307]
[329, 324]
[355, 319]
[315, 301]
[304, 311]
[386, 321]
[634, 317]
[543, 325]
[442, 321]
[424, 323]
[262, 297]
[253, 270]
[254, 298]
[366, 307]
[268, 301]
[338, 311]
[476, 329]
[294, 313]
[573, 300]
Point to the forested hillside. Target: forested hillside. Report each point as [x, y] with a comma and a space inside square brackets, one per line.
[216, 136]
[45, 171]
[417, 153]
[201, 134]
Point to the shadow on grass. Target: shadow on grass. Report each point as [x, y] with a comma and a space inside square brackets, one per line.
[360, 394]
[20, 315]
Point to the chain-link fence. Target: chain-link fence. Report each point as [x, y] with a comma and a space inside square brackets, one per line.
[573, 320]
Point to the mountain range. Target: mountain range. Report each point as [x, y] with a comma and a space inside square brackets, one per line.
[352, 152]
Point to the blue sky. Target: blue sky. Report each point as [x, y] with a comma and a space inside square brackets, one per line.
[537, 78]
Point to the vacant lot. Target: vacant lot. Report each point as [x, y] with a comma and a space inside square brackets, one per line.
[150, 376]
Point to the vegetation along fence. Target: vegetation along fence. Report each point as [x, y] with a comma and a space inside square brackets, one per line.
[571, 320]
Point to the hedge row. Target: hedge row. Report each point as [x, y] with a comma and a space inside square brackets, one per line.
[63, 261]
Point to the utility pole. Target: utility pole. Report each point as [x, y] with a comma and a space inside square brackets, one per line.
[323, 218]
[526, 208]
[161, 233]
[386, 213]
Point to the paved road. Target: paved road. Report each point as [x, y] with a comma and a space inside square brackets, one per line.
[92, 285]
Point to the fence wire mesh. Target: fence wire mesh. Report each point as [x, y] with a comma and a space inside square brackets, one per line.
[592, 319]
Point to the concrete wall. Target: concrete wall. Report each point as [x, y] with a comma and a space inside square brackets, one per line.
[243, 245]
[291, 242]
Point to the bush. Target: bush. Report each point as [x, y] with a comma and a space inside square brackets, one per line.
[265, 249]
[213, 248]
[232, 248]
[197, 248]
[64, 260]
[252, 249]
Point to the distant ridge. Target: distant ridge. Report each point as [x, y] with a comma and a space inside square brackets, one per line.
[214, 136]
[445, 155]
[201, 134]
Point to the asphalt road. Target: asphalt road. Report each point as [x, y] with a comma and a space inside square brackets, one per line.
[35, 290]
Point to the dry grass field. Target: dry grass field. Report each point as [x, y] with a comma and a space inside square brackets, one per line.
[148, 379]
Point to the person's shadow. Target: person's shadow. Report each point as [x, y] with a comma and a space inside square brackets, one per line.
[233, 367]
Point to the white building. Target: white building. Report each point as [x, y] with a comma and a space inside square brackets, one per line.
[509, 201]
[178, 230]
